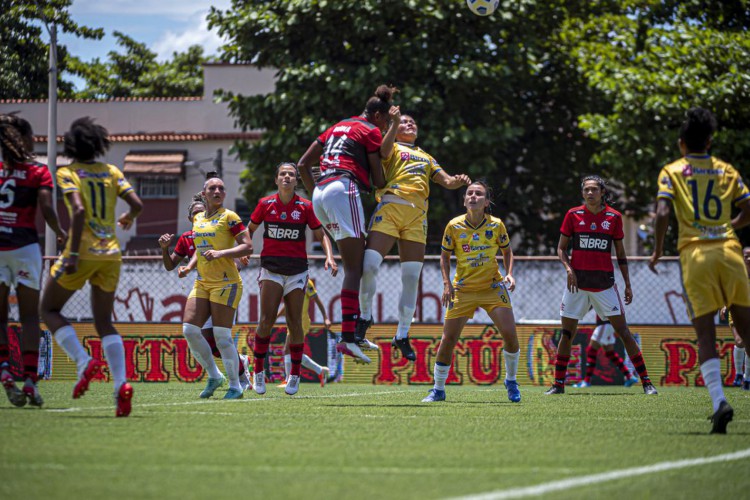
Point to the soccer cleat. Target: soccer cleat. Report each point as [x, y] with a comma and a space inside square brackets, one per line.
[15, 395]
[353, 350]
[738, 380]
[650, 389]
[555, 390]
[746, 385]
[245, 382]
[233, 393]
[630, 382]
[31, 392]
[405, 348]
[434, 395]
[211, 386]
[360, 329]
[721, 418]
[582, 384]
[366, 345]
[292, 385]
[514, 394]
[259, 382]
[84, 379]
[123, 400]
[323, 375]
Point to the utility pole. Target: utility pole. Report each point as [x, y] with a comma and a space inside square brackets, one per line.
[219, 164]
[50, 239]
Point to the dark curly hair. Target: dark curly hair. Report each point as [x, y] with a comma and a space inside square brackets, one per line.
[16, 136]
[697, 129]
[197, 200]
[85, 140]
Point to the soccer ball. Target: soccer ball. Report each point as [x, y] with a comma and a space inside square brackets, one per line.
[482, 7]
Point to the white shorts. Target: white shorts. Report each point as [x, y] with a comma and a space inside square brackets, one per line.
[288, 283]
[604, 334]
[606, 303]
[338, 207]
[22, 266]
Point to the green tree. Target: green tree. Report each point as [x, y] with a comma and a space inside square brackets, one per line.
[24, 46]
[136, 72]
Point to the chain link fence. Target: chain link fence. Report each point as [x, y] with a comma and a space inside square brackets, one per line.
[149, 293]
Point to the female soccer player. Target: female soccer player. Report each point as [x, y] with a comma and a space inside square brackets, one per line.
[218, 288]
[475, 239]
[594, 228]
[349, 155]
[704, 190]
[24, 185]
[185, 248]
[604, 337]
[739, 354]
[401, 215]
[92, 254]
[283, 269]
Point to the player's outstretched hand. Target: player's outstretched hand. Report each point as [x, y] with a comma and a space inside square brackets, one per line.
[463, 179]
[165, 239]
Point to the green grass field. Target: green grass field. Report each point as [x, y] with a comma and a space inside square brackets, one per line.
[357, 441]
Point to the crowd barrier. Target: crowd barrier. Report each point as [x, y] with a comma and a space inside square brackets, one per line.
[158, 353]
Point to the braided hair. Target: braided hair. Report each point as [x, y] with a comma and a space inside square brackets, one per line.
[197, 200]
[16, 137]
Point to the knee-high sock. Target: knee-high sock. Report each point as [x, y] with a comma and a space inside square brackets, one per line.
[30, 361]
[640, 367]
[407, 304]
[511, 363]
[711, 371]
[747, 366]
[368, 284]
[349, 313]
[114, 350]
[200, 349]
[739, 359]
[228, 351]
[67, 339]
[259, 353]
[308, 363]
[295, 352]
[287, 365]
[619, 363]
[441, 372]
[561, 369]
[591, 353]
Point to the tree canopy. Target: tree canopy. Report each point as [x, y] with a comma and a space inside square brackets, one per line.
[532, 98]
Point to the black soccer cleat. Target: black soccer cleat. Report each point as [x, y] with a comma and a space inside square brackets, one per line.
[405, 348]
[555, 390]
[360, 330]
[721, 418]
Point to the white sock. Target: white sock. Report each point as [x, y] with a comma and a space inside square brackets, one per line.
[368, 284]
[228, 352]
[308, 363]
[739, 359]
[114, 351]
[287, 365]
[441, 375]
[511, 363]
[747, 366]
[200, 349]
[407, 304]
[711, 371]
[67, 339]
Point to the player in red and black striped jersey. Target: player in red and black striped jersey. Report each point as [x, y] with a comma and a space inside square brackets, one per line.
[349, 155]
[283, 269]
[24, 186]
[594, 228]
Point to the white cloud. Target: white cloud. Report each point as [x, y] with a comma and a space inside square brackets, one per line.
[173, 9]
[195, 33]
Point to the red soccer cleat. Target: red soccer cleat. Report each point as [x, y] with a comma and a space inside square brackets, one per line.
[92, 370]
[124, 395]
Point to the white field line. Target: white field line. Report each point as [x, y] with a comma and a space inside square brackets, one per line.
[137, 405]
[574, 482]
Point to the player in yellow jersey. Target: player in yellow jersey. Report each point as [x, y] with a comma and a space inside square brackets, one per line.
[218, 288]
[91, 254]
[703, 190]
[475, 238]
[401, 216]
[311, 294]
[740, 356]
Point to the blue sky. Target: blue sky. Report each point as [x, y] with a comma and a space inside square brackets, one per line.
[165, 26]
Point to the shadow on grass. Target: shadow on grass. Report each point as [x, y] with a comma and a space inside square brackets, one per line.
[106, 417]
[706, 433]
[600, 394]
[422, 405]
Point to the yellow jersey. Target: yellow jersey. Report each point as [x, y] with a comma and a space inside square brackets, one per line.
[475, 249]
[408, 170]
[702, 189]
[310, 292]
[216, 232]
[99, 185]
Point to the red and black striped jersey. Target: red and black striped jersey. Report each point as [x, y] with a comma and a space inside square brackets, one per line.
[185, 246]
[592, 236]
[19, 192]
[284, 239]
[346, 146]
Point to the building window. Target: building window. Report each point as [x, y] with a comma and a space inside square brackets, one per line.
[157, 187]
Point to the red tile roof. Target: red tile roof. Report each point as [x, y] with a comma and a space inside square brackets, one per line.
[173, 137]
[113, 99]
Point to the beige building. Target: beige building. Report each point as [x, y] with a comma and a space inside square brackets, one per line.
[163, 145]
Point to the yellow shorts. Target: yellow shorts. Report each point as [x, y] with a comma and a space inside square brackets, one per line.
[403, 222]
[226, 294]
[465, 303]
[100, 273]
[713, 275]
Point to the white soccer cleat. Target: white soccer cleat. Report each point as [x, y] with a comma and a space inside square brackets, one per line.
[245, 382]
[368, 346]
[259, 382]
[292, 385]
[353, 350]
